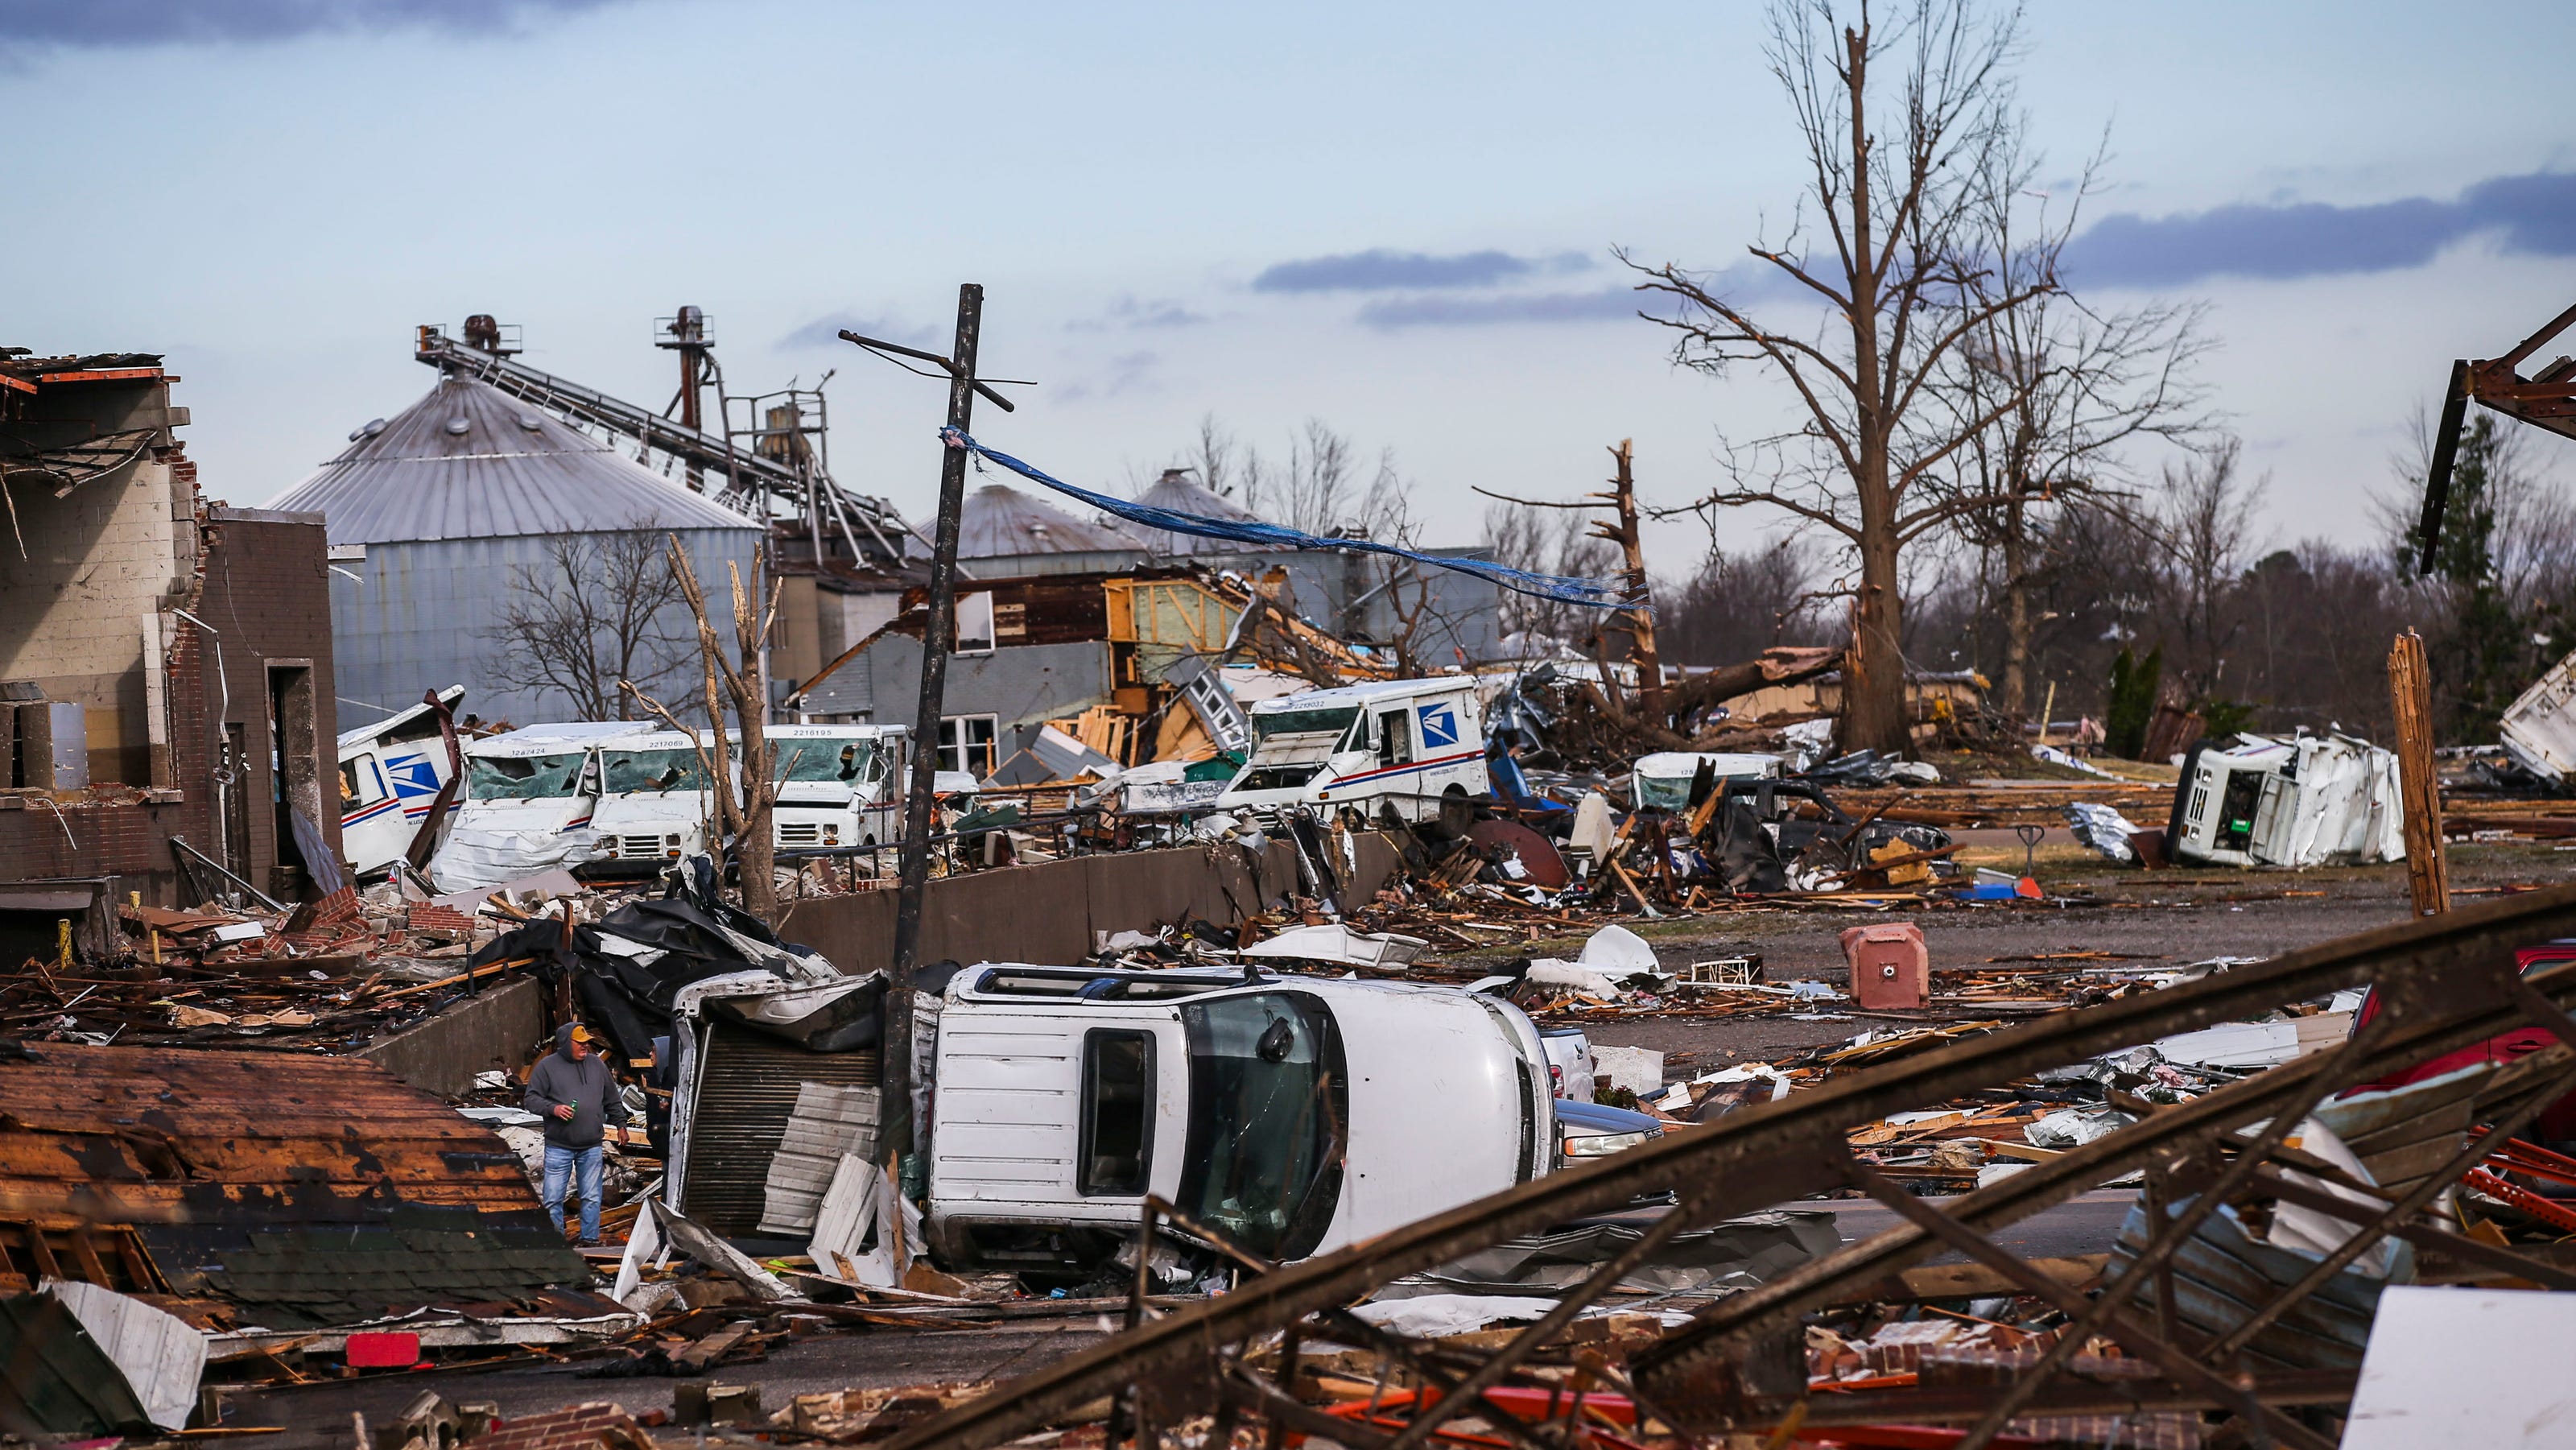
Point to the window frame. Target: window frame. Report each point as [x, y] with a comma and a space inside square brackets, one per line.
[952, 731]
[1089, 1117]
[979, 637]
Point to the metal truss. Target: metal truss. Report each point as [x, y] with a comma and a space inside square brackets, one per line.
[2446, 982]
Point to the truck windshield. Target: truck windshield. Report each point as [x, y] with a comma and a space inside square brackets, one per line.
[1268, 1097]
[1305, 722]
[844, 762]
[626, 771]
[522, 777]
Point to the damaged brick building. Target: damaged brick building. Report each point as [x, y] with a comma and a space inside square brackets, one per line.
[165, 660]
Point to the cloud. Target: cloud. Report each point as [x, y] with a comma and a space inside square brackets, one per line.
[825, 331]
[1380, 270]
[2534, 215]
[1128, 312]
[1418, 311]
[1126, 373]
[117, 24]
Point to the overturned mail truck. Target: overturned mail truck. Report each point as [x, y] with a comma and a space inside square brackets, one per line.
[390, 775]
[2313, 800]
[1410, 746]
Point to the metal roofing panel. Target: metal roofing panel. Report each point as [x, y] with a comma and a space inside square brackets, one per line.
[997, 521]
[468, 461]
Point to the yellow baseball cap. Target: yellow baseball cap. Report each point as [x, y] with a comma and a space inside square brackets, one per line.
[580, 1033]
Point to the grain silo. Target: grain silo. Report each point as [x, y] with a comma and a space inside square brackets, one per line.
[469, 506]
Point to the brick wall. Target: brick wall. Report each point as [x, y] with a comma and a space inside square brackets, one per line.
[262, 588]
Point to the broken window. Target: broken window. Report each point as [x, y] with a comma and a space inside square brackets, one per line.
[523, 777]
[1117, 1111]
[1267, 1103]
[966, 743]
[1394, 738]
[652, 770]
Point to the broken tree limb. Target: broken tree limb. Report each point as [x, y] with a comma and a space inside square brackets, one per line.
[2410, 698]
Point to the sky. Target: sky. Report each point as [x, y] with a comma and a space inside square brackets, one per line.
[1397, 219]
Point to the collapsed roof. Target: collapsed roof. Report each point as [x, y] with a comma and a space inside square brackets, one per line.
[291, 1191]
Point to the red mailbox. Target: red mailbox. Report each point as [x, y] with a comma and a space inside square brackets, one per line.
[1890, 969]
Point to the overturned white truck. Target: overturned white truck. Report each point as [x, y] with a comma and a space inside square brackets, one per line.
[2313, 800]
[1294, 1114]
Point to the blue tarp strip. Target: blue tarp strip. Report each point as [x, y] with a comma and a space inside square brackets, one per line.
[1589, 593]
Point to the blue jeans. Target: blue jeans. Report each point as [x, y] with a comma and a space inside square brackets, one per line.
[582, 1166]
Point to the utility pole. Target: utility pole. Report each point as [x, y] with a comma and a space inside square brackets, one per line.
[688, 338]
[938, 637]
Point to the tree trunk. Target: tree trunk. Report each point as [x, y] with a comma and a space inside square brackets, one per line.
[1874, 680]
[2016, 602]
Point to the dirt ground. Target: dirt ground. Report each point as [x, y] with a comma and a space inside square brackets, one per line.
[2177, 916]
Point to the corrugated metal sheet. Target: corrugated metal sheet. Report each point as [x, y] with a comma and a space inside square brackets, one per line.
[747, 1091]
[508, 471]
[426, 615]
[998, 520]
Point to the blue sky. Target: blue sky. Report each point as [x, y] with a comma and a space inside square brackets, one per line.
[1396, 218]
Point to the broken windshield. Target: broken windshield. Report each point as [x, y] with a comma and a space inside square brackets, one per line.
[1306, 722]
[1268, 1098]
[629, 771]
[844, 762]
[522, 777]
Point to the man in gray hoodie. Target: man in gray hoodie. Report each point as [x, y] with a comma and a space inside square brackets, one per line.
[571, 1089]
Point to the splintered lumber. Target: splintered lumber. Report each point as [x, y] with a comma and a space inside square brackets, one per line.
[2410, 697]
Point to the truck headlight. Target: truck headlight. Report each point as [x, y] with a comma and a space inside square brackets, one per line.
[831, 835]
[1596, 1145]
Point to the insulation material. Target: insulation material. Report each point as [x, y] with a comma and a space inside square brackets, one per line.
[829, 1123]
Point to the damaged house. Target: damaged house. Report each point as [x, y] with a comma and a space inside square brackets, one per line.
[1121, 661]
[166, 686]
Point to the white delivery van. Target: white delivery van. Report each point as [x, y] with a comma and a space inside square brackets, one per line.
[390, 774]
[1293, 1114]
[1414, 745]
[2309, 801]
[529, 799]
[838, 785]
[655, 803]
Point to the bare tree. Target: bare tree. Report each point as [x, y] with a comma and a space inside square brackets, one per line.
[2207, 524]
[1545, 541]
[1318, 489]
[744, 799]
[1904, 215]
[2053, 398]
[1215, 456]
[589, 619]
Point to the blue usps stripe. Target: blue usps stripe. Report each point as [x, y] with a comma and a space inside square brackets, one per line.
[1439, 726]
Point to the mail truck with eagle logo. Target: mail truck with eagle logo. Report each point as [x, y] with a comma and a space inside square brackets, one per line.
[1414, 747]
